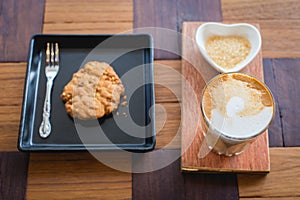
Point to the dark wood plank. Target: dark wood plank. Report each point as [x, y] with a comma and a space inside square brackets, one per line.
[286, 72]
[19, 20]
[170, 15]
[171, 183]
[166, 183]
[195, 10]
[13, 175]
[159, 14]
[211, 186]
[275, 130]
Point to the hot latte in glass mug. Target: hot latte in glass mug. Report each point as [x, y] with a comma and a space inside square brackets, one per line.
[236, 108]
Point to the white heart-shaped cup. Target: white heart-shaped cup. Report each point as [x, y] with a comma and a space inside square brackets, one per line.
[248, 31]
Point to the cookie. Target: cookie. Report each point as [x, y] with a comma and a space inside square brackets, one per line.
[94, 91]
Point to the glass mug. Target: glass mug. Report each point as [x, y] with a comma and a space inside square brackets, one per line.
[236, 108]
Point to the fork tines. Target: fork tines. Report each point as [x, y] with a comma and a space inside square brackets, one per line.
[52, 54]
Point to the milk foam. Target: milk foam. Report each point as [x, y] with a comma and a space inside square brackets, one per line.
[234, 105]
[238, 105]
[238, 126]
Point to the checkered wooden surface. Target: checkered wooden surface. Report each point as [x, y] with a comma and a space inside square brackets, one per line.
[80, 176]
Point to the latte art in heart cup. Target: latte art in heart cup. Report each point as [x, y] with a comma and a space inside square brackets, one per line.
[236, 108]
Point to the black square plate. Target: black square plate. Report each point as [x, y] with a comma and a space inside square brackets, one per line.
[131, 127]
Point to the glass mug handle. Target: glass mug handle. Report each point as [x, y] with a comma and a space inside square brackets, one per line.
[209, 141]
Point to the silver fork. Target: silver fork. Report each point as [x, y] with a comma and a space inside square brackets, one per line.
[51, 70]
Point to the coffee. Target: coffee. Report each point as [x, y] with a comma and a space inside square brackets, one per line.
[236, 107]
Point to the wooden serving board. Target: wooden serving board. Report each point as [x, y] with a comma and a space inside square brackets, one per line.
[196, 72]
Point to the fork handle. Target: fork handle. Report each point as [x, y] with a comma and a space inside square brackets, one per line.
[45, 127]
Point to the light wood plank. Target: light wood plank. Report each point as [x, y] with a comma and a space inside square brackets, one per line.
[279, 22]
[88, 17]
[280, 38]
[268, 9]
[167, 76]
[11, 96]
[88, 11]
[88, 28]
[168, 129]
[282, 181]
[167, 79]
[74, 176]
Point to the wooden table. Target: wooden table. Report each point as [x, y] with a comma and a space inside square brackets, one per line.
[78, 175]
